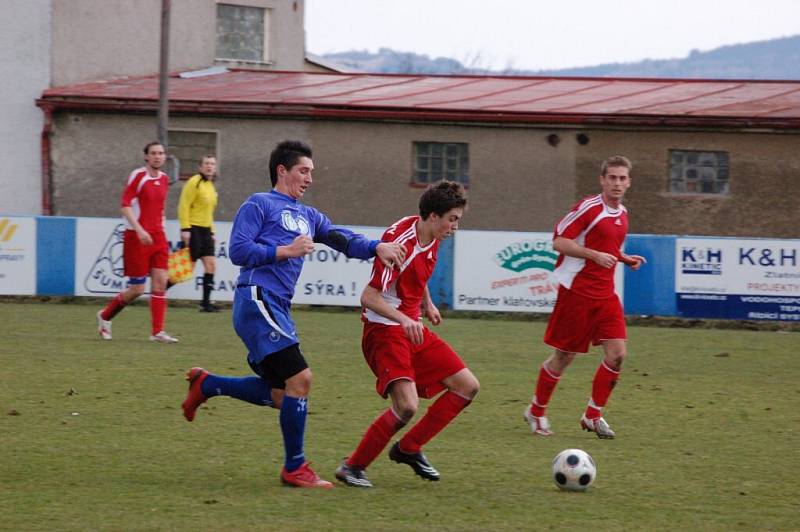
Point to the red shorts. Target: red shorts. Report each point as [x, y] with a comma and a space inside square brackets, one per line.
[391, 356]
[578, 321]
[140, 259]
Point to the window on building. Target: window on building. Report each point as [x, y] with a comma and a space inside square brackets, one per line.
[242, 33]
[436, 161]
[189, 147]
[698, 172]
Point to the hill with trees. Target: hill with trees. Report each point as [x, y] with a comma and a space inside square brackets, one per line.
[775, 59]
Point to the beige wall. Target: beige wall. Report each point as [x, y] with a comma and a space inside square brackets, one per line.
[93, 154]
[764, 198]
[103, 39]
[518, 181]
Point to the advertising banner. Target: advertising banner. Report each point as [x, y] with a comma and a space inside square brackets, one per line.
[506, 272]
[738, 279]
[328, 278]
[17, 255]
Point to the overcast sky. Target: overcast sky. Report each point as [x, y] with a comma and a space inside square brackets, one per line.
[545, 34]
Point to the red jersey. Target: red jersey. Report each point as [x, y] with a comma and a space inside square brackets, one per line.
[594, 225]
[146, 195]
[404, 287]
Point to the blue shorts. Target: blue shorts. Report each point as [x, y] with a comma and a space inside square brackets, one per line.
[263, 322]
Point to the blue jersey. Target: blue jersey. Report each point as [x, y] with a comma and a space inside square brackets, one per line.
[267, 220]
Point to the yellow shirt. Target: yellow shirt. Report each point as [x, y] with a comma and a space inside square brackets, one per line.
[197, 203]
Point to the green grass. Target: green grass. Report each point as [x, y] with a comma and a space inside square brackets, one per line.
[92, 437]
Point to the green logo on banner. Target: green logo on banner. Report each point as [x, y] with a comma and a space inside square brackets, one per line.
[526, 255]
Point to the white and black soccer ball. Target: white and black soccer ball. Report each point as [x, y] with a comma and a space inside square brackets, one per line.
[574, 470]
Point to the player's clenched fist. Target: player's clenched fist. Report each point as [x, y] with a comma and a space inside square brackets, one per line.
[301, 246]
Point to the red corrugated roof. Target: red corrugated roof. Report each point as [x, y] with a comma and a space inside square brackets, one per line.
[471, 98]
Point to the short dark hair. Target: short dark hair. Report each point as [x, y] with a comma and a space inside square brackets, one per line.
[150, 145]
[616, 160]
[287, 153]
[440, 197]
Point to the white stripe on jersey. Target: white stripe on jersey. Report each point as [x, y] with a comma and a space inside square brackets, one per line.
[407, 235]
[574, 215]
[393, 227]
[137, 211]
[570, 267]
[388, 290]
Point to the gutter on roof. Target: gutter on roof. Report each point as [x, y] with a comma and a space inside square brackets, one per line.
[419, 115]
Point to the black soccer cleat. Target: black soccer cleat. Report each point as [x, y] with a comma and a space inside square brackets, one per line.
[352, 475]
[417, 461]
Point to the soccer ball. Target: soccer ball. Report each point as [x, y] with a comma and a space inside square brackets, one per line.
[573, 470]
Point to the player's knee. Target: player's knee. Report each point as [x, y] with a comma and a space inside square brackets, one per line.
[134, 291]
[406, 412]
[467, 386]
[406, 408]
[474, 388]
[615, 360]
[300, 384]
[559, 361]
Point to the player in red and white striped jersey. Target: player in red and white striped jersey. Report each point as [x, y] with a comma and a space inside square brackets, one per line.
[145, 247]
[588, 311]
[408, 360]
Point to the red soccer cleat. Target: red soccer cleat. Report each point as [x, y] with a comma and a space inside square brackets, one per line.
[304, 477]
[195, 397]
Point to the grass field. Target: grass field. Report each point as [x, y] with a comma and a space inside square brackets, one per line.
[92, 435]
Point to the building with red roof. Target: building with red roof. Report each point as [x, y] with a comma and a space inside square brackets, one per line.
[710, 156]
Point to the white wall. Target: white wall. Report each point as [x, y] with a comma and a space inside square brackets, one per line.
[25, 73]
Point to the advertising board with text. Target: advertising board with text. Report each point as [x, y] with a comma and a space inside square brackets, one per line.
[738, 279]
[17, 255]
[328, 278]
[506, 271]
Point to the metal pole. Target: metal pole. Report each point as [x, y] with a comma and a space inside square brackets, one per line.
[163, 76]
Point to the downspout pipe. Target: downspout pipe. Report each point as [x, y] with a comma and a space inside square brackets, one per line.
[47, 172]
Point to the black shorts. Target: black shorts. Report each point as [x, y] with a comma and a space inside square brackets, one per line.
[201, 243]
[281, 365]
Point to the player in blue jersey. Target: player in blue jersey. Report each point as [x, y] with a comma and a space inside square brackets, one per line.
[271, 234]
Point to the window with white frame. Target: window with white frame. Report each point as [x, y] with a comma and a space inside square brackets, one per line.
[437, 161]
[698, 172]
[242, 33]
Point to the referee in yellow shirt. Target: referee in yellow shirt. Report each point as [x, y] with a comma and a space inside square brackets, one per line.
[196, 216]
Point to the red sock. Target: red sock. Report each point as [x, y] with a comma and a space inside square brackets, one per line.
[377, 436]
[438, 416]
[545, 385]
[158, 307]
[114, 306]
[604, 381]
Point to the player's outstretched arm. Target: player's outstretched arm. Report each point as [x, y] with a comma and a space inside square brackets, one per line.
[356, 245]
[371, 298]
